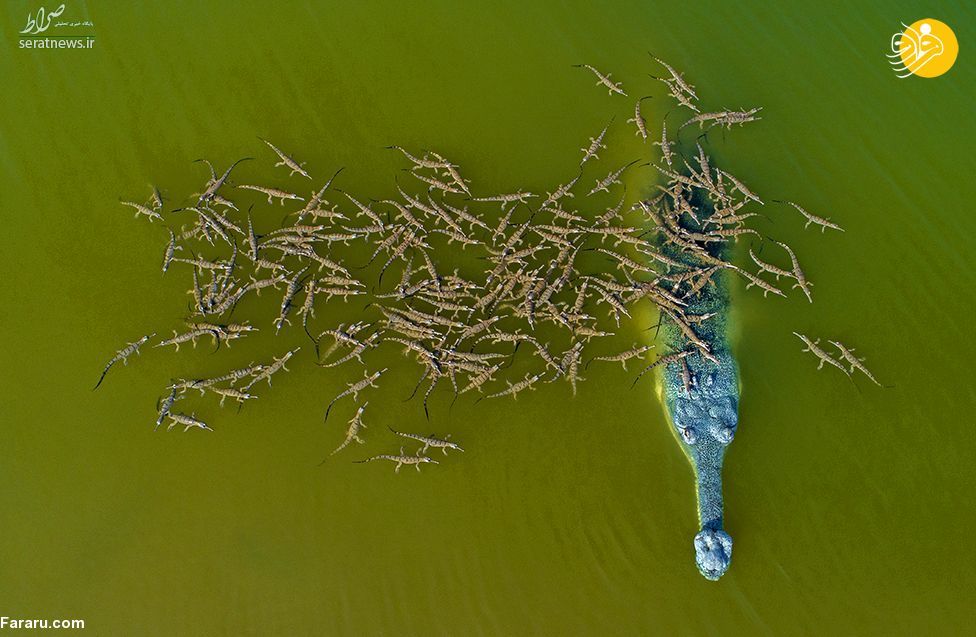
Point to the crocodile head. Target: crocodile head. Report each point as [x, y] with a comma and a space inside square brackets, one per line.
[708, 408]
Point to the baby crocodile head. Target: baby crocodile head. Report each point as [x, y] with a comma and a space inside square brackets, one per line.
[713, 553]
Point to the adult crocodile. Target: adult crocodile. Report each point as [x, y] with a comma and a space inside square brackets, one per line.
[702, 404]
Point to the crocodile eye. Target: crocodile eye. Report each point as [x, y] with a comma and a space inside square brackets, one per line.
[725, 435]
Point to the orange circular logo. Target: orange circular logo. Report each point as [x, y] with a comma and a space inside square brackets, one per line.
[927, 48]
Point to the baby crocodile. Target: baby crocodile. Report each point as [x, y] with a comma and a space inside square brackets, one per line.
[402, 459]
[123, 355]
[430, 441]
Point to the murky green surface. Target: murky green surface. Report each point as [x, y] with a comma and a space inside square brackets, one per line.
[851, 511]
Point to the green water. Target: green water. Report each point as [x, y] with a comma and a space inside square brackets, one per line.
[850, 511]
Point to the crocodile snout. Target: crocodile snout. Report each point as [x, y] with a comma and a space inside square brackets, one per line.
[713, 553]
